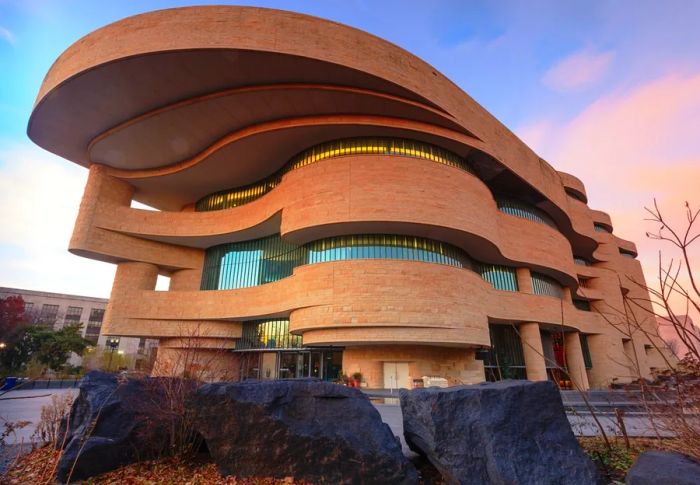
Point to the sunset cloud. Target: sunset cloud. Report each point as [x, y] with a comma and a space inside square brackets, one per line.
[630, 147]
[578, 71]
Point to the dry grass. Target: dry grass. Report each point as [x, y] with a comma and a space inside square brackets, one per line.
[36, 467]
[47, 429]
[614, 459]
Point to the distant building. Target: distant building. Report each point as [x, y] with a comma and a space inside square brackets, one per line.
[55, 310]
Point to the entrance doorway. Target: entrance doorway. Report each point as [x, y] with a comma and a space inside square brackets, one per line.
[396, 375]
[323, 364]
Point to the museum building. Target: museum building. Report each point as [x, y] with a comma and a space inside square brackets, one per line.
[328, 203]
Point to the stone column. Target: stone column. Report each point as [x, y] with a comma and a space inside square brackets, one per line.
[101, 192]
[185, 280]
[574, 360]
[130, 278]
[532, 350]
[524, 279]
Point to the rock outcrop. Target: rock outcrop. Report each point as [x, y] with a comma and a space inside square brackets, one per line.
[663, 468]
[113, 422]
[307, 429]
[508, 432]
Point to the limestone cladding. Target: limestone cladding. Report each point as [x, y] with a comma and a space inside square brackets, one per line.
[247, 89]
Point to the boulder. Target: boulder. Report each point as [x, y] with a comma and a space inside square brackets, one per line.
[663, 468]
[507, 432]
[307, 429]
[113, 422]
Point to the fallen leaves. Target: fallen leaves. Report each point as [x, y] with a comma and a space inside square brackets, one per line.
[37, 467]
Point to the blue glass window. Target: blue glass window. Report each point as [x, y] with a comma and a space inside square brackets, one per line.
[526, 211]
[581, 261]
[544, 285]
[252, 263]
[501, 277]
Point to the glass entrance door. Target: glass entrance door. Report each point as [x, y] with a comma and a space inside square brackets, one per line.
[316, 367]
[303, 364]
[296, 364]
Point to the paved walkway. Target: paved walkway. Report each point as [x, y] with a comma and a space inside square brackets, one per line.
[13, 410]
[582, 423]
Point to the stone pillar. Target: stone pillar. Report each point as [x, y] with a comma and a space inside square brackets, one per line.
[567, 294]
[185, 280]
[130, 277]
[574, 360]
[524, 279]
[101, 190]
[532, 351]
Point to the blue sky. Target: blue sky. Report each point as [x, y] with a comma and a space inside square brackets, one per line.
[594, 87]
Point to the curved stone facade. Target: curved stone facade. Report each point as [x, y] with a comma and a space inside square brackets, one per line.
[195, 104]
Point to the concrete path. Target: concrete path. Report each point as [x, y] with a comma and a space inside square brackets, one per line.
[582, 423]
[14, 410]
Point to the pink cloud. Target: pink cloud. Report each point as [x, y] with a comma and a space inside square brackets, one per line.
[578, 71]
[630, 147]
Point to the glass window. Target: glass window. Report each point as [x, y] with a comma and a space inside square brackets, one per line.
[267, 334]
[73, 314]
[586, 351]
[92, 332]
[505, 359]
[544, 285]
[584, 305]
[501, 277]
[601, 228]
[357, 146]
[522, 209]
[627, 254]
[575, 195]
[581, 261]
[251, 263]
[48, 314]
[96, 315]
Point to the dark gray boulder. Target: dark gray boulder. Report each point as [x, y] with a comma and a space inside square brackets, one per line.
[507, 432]
[307, 429]
[663, 468]
[113, 422]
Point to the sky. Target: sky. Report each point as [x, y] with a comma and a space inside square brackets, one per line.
[608, 91]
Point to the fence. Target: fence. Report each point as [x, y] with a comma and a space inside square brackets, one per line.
[24, 384]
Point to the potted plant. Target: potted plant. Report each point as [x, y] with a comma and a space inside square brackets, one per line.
[356, 379]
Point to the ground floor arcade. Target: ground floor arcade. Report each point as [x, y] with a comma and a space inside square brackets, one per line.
[519, 351]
